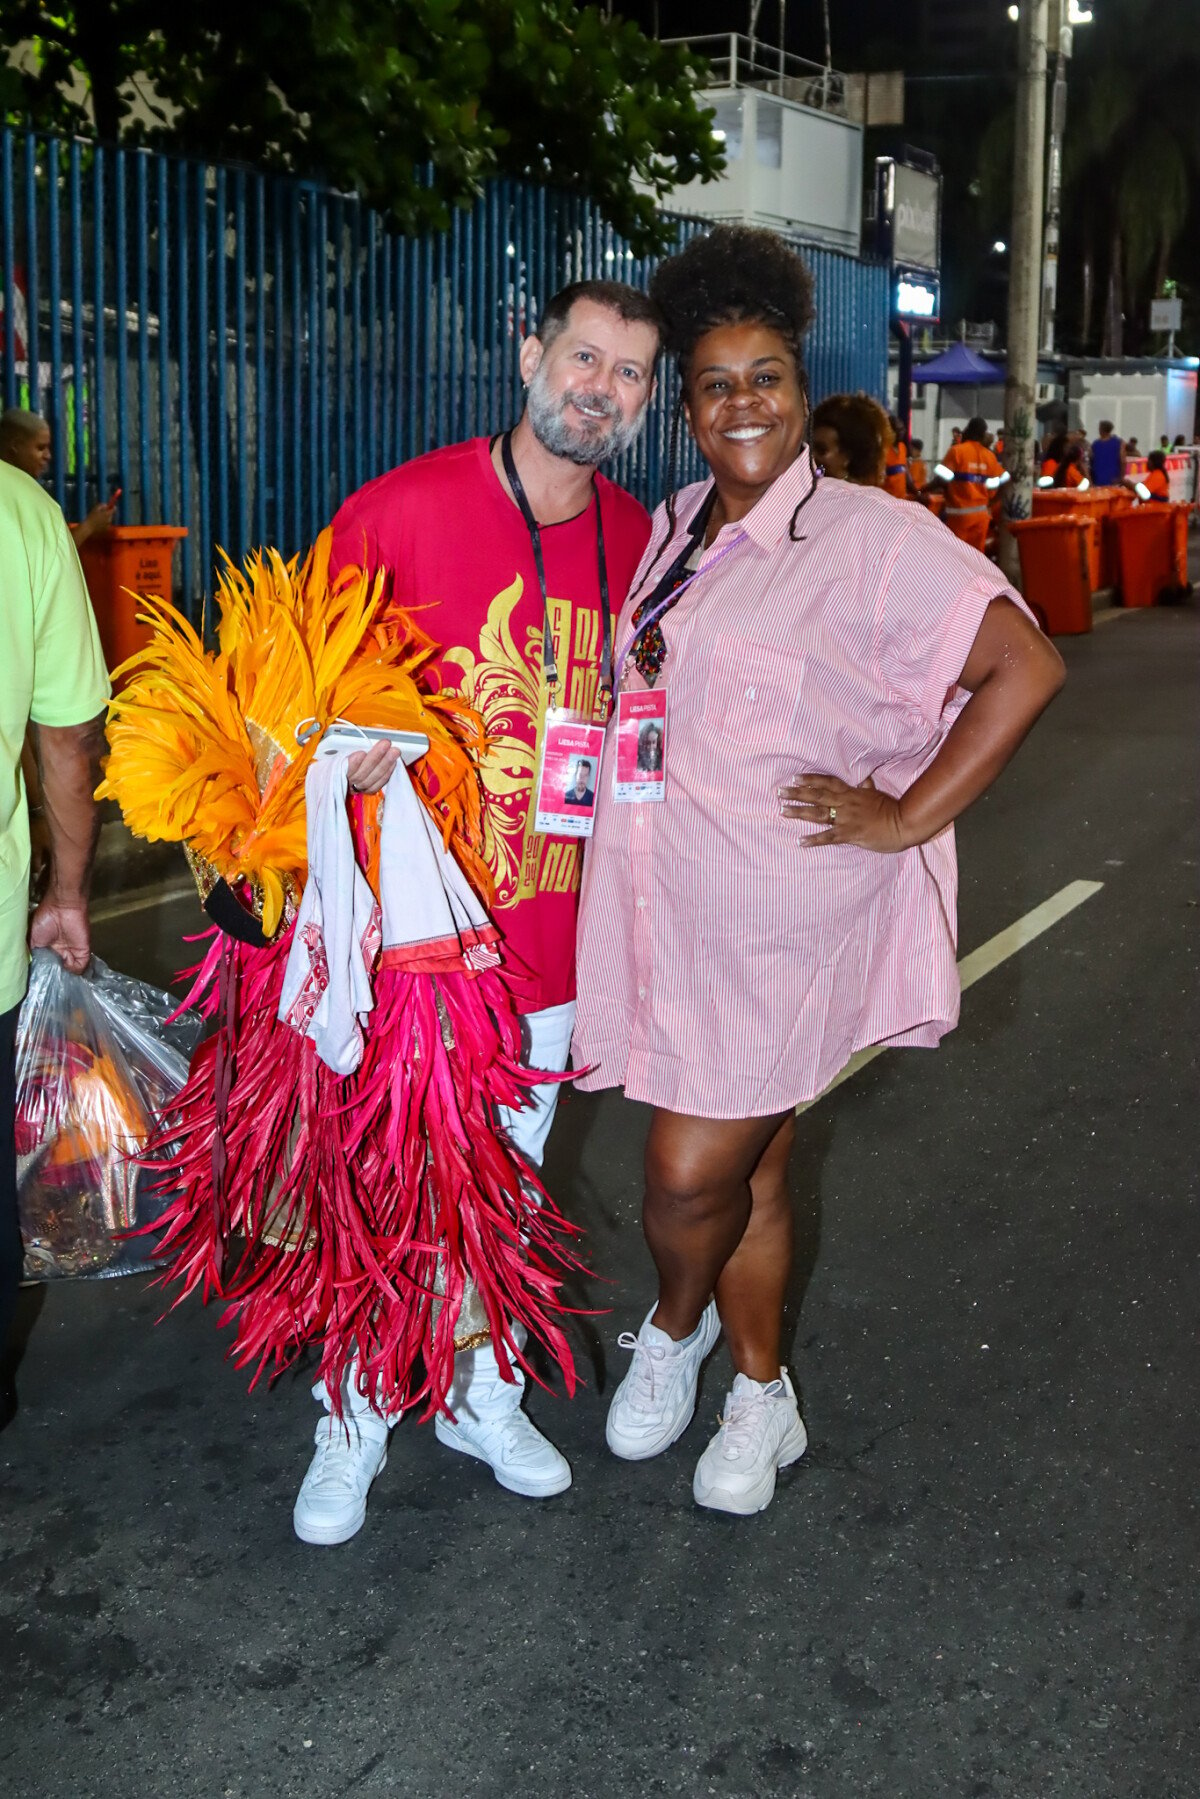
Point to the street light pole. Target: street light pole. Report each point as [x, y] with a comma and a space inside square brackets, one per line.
[1060, 36]
[1024, 289]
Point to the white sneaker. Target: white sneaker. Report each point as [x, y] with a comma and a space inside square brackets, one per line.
[761, 1432]
[514, 1449]
[654, 1403]
[332, 1502]
[489, 1424]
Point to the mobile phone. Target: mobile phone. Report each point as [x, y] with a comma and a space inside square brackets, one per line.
[411, 744]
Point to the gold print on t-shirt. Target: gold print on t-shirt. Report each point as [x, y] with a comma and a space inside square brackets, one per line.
[560, 869]
[504, 683]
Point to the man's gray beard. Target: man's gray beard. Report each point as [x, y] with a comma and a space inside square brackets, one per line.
[588, 449]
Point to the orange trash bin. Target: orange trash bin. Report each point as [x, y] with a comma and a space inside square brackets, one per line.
[118, 563]
[1082, 502]
[1057, 557]
[1152, 553]
[1120, 501]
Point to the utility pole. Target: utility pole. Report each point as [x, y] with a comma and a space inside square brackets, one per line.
[1024, 290]
[1061, 39]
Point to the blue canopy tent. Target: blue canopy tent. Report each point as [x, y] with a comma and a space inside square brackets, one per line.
[958, 367]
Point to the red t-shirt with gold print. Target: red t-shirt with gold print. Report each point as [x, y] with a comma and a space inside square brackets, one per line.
[461, 560]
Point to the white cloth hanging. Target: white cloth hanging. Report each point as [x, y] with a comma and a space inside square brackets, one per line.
[429, 920]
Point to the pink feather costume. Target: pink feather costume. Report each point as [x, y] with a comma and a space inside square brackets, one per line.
[378, 1215]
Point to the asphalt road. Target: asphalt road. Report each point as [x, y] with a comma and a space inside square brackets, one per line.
[980, 1581]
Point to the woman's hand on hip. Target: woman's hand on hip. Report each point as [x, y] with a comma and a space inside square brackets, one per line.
[860, 815]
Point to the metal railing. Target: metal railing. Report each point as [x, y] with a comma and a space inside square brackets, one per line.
[238, 352]
[737, 61]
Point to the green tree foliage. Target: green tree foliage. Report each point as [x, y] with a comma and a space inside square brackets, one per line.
[365, 94]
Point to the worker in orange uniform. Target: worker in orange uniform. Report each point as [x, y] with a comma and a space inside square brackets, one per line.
[917, 466]
[1063, 464]
[896, 476]
[1155, 484]
[971, 475]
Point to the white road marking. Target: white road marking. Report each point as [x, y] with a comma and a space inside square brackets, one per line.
[1104, 615]
[981, 961]
[141, 902]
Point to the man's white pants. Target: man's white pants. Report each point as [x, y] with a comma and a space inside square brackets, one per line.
[545, 1043]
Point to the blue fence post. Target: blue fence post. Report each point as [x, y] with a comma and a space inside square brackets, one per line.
[312, 364]
[33, 370]
[217, 366]
[292, 542]
[260, 361]
[324, 488]
[371, 465]
[190, 551]
[204, 549]
[54, 271]
[142, 254]
[121, 306]
[241, 427]
[356, 362]
[279, 534]
[425, 301]
[162, 243]
[99, 353]
[339, 349]
[79, 385]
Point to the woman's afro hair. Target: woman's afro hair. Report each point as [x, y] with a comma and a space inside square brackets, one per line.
[731, 275]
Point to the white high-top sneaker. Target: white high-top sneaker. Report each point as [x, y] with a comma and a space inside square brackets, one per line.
[654, 1403]
[489, 1424]
[761, 1432]
[332, 1502]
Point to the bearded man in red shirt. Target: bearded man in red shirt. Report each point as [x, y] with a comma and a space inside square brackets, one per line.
[516, 554]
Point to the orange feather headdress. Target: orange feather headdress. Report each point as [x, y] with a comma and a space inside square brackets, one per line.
[204, 747]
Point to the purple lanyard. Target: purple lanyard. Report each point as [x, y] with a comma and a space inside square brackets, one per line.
[669, 600]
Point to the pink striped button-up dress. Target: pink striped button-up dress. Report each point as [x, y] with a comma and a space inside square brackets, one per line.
[724, 971]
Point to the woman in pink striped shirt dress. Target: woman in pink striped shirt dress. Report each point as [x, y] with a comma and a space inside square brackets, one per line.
[842, 678]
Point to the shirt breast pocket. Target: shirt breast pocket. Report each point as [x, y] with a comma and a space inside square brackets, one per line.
[753, 691]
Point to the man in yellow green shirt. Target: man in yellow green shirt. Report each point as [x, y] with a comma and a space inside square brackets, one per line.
[52, 676]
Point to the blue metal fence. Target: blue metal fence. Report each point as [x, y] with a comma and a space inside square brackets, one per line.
[237, 351]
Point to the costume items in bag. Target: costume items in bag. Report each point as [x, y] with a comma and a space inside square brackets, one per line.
[342, 1181]
[99, 1061]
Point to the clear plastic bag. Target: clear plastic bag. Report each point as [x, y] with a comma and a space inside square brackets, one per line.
[98, 1066]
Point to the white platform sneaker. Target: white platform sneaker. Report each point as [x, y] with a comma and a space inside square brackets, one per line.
[332, 1502]
[761, 1432]
[489, 1424]
[655, 1402]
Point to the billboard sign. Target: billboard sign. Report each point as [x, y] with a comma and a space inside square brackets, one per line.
[908, 210]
